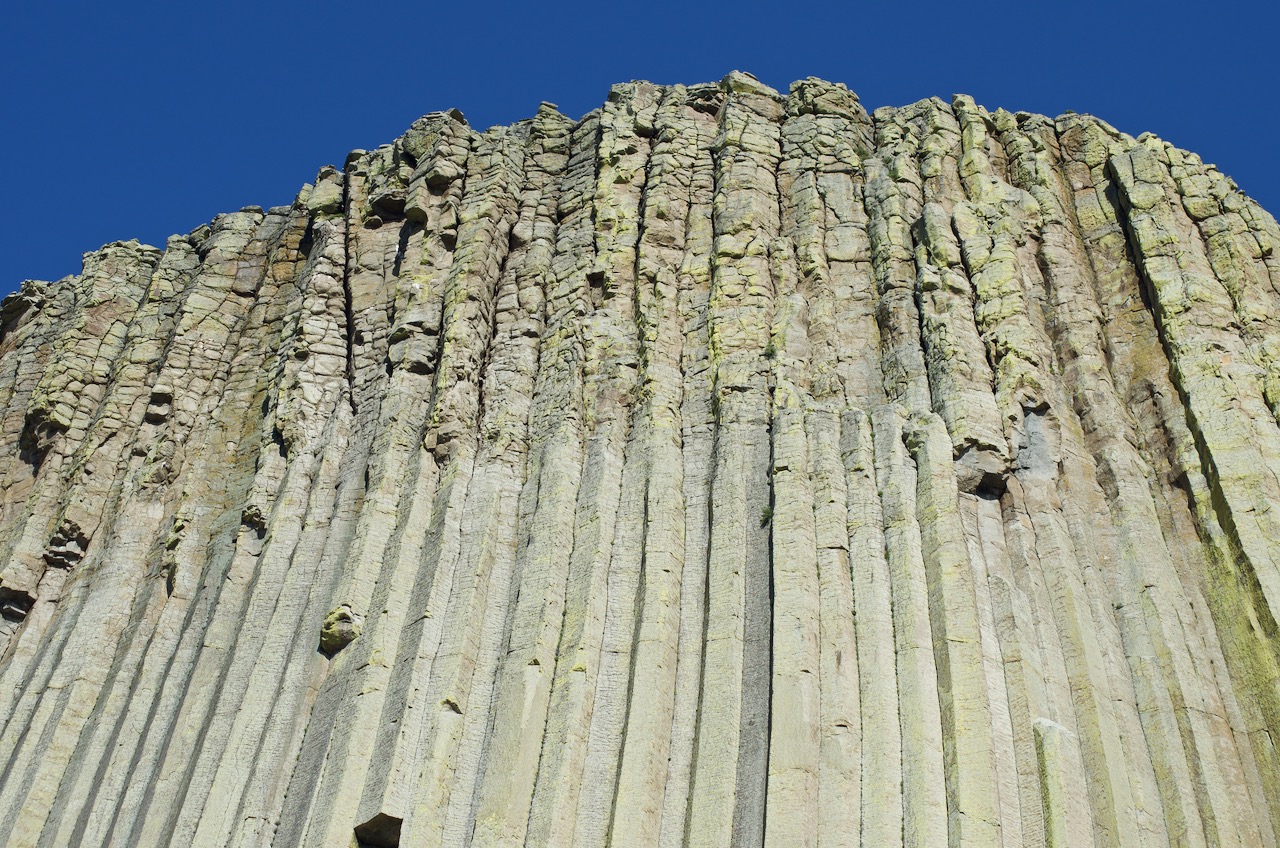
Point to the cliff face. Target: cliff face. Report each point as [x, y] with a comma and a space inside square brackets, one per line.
[722, 469]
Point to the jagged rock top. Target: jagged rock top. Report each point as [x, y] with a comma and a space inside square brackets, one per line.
[808, 96]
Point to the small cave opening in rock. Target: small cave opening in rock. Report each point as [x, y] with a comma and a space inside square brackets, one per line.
[15, 604]
[381, 831]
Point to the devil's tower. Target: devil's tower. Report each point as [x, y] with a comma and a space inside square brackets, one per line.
[724, 468]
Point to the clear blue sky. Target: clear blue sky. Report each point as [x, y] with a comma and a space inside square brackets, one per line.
[136, 120]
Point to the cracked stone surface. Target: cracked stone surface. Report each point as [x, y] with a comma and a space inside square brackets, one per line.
[724, 468]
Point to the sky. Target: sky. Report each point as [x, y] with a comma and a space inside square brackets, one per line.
[138, 120]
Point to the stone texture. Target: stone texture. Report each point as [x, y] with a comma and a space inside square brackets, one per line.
[724, 468]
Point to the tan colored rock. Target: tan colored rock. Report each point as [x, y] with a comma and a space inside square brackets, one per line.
[724, 468]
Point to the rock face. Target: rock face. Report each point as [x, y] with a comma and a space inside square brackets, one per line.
[722, 469]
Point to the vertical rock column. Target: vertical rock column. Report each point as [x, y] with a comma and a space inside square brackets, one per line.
[893, 202]
[578, 511]
[729, 783]
[504, 792]
[680, 136]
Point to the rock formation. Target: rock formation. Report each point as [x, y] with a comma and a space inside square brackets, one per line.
[721, 469]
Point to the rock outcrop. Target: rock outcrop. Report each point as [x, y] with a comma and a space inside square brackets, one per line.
[724, 468]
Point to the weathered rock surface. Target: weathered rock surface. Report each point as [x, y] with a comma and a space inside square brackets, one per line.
[722, 469]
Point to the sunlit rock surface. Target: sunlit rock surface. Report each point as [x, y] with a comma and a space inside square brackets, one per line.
[725, 468]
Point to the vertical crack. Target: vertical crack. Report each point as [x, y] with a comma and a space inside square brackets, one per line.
[348, 309]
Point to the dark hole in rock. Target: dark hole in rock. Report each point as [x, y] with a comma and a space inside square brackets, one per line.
[381, 831]
[981, 467]
[991, 487]
[389, 206]
[14, 604]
